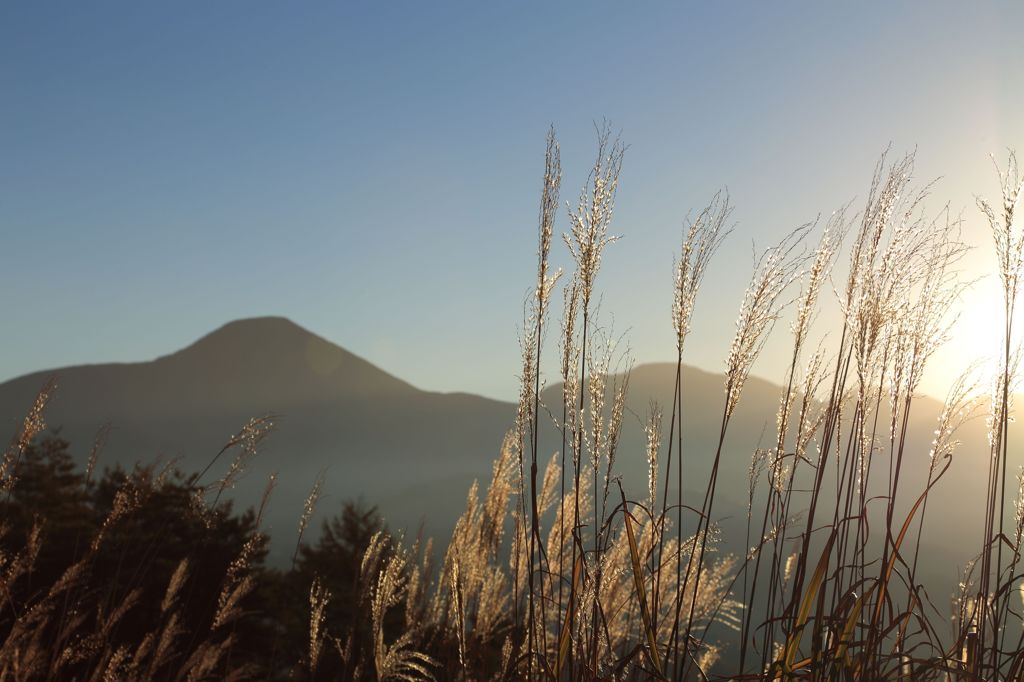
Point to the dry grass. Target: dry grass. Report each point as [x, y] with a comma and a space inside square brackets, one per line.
[557, 574]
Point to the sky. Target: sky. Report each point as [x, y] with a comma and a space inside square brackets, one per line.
[372, 170]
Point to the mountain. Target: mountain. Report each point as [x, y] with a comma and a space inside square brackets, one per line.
[373, 433]
[414, 453]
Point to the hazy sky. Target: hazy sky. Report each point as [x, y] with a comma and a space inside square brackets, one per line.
[372, 170]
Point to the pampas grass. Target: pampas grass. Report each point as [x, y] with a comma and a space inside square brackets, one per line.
[556, 572]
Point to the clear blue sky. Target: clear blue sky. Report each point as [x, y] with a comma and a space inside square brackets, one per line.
[372, 170]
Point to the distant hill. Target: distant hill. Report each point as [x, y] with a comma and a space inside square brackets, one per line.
[414, 452]
[373, 433]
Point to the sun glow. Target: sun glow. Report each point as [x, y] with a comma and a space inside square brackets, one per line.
[975, 338]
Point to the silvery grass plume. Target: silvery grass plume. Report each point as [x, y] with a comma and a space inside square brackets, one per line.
[925, 314]
[652, 430]
[397, 660]
[586, 240]
[780, 475]
[896, 249]
[883, 197]
[559, 540]
[161, 641]
[32, 426]
[1018, 511]
[711, 596]
[14, 566]
[901, 287]
[174, 585]
[962, 403]
[569, 425]
[98, 444]
[930, 288]
[812, 410]
[1009, 241]
[246, 442]
[319, 596]
[417, 600]
[1004, 382]
[602, 438]
[1018, 535]
[90, 644]
[810, 413]
[308, 507]
[702, 238]
[527, 419]
[715, 602]
[472, 587]
[570, 355]
[549, 486]
[546, 223]
[127, 499]
[811, 283]
[618, 597]
[964, 614]
[537, 306]
[476, 589]
[863, 300]
[774, 272]
[268, 491]
[810, 287]
[593, 214]
[1009, 246]
[487, 532]
[760, 460]
[235, 588]
[238, 582]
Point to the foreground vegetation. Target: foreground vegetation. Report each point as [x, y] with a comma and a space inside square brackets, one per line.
[554, 571]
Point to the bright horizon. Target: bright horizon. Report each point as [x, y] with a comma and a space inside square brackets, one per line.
[166, 171]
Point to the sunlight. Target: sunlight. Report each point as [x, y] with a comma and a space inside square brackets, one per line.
[975, 338]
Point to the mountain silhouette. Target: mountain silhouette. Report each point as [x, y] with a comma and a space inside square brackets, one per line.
[373, 433]
[414, 453]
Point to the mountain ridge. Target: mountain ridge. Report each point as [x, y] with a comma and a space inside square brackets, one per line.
[383, 439]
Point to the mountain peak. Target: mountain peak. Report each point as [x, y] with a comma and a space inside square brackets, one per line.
[273, 355]
[261, 321]
[250, 330]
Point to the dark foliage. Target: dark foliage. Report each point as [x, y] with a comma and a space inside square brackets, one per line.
[129, 558]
